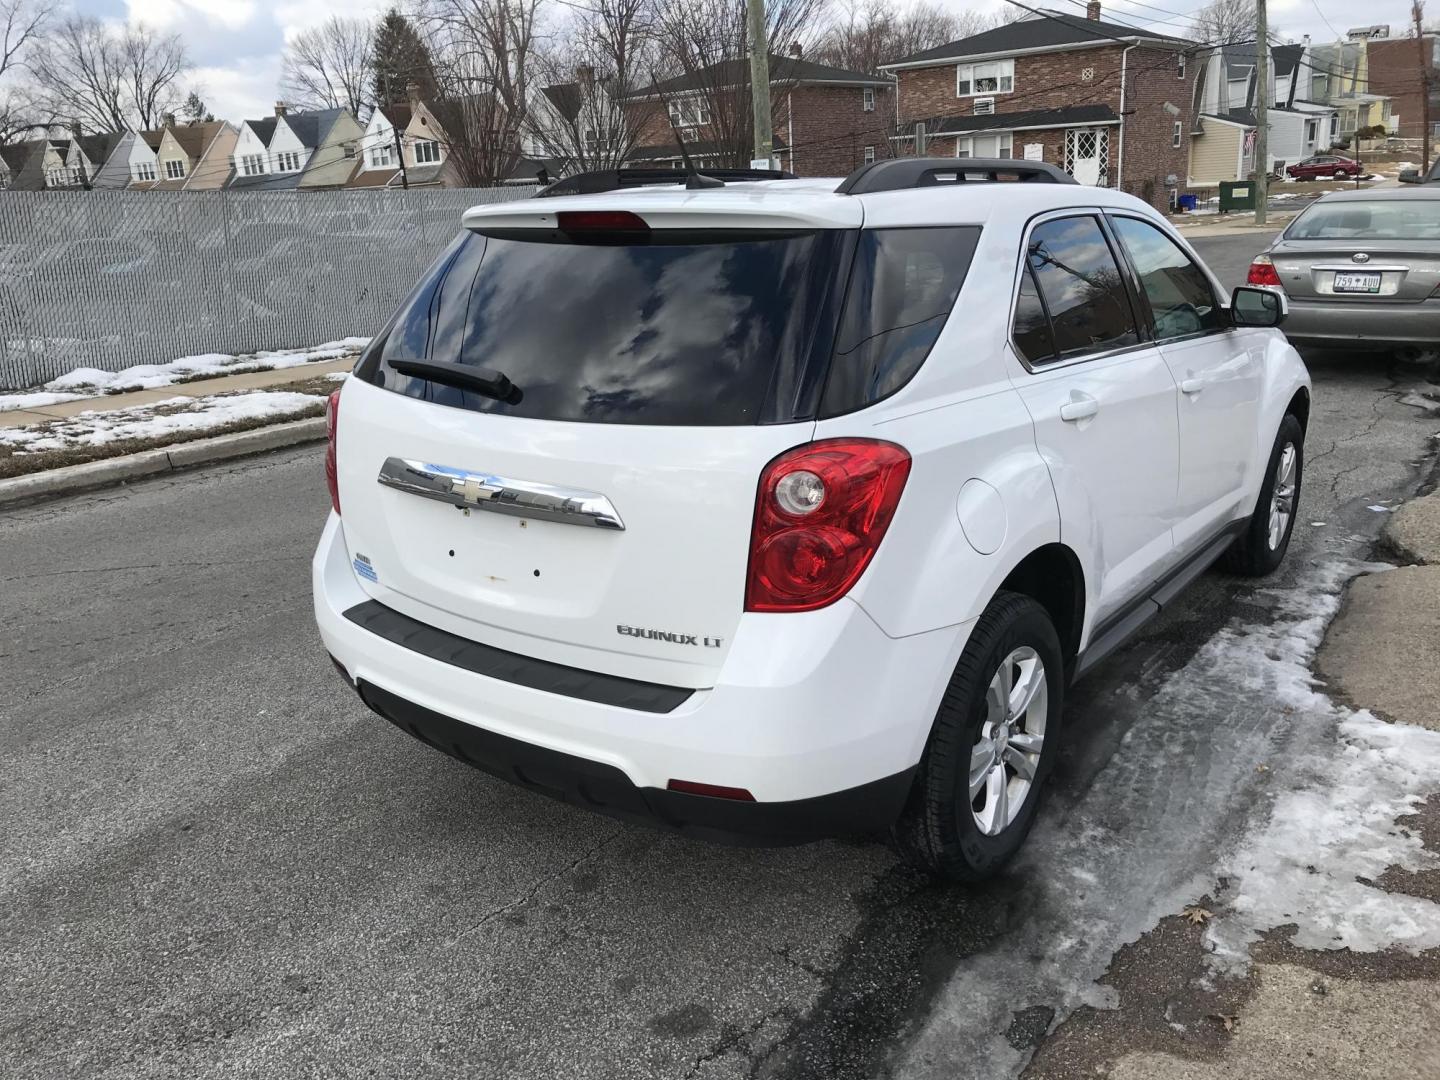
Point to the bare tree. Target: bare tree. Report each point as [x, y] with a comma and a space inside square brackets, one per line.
[152, 66]
[1225, 22]
[867, 33]
[577, 114]
[328, 66]
[23, 24]
[108, 79]
[484, 53]
[704, 43]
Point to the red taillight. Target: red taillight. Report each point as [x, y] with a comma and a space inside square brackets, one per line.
[601, 221]
[1262, 272]
[715, 791]
[332, 421]
[821, 512]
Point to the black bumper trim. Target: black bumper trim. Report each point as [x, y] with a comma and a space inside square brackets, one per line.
[607, 790]
[511, 667]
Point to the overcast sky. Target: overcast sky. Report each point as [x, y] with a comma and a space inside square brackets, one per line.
[236, 44]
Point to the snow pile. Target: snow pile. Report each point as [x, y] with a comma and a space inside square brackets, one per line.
[160, 421]
[88, 381]
[1336, 819]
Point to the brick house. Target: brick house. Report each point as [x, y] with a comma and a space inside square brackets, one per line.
[827, 121]
[1111, 104]
[1395, 73]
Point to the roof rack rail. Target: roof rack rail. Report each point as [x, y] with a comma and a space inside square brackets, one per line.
[902, 174]
[591, 183]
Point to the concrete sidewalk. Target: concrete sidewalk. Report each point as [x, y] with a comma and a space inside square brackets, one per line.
[221, 384]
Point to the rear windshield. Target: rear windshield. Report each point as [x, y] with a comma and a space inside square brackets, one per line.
[1398, 219]
[715, 328]
[685, 329]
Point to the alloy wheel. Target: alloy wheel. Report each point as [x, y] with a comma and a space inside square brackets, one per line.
[1006, 756]
[1282, 496]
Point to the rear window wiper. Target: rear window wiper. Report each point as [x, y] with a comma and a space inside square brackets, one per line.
[485, 381]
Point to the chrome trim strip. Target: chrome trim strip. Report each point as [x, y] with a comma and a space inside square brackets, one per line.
[1357, 268]
[481, 491]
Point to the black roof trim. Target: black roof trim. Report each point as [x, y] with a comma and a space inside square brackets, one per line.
[592, 183]
[902, 174]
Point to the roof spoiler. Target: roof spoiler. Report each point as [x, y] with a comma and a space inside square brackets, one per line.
[902, 174]
[592, 183]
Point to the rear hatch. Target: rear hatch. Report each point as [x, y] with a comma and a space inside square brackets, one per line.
[583, 490]
[1373, 250]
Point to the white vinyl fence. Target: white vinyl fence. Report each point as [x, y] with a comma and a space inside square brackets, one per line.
[108, 279]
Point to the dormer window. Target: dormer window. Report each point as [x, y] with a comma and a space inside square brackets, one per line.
[175, 169]
[992, 77]
[382, 157]
[287, 161]
[427, 151]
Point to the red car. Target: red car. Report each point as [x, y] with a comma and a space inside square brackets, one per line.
[1312, 168]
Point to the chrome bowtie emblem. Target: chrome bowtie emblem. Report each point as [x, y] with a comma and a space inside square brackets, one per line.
[1360, 256]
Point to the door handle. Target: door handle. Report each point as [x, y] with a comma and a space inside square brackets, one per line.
[1192, 386]
[1079, 407]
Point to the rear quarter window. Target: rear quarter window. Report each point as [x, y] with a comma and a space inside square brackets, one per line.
[902, 288]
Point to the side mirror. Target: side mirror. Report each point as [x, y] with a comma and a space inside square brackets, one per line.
[1409, 176]
[1250, 306]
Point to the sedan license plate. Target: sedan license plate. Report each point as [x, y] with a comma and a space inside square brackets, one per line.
[1364, 283]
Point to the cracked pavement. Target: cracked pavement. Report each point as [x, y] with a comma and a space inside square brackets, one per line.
[214, 862]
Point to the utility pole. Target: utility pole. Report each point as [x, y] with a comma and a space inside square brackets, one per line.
[760, 82]
[399, 147]
[1417, 14]
[1262, 119]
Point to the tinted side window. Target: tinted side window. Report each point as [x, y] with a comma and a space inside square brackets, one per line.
[1031, 330]
[1083, 290]
[901, 291]
[1180, 295]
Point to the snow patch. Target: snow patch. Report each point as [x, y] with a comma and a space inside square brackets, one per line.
[35, 400]
[89, 381]
[98, 427]
[1336, 819]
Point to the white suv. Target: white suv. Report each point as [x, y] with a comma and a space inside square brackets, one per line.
[781, 509]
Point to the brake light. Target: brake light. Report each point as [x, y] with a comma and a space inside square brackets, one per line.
[332, 421]
[820, 514]
[601, 221]
[1262, 272]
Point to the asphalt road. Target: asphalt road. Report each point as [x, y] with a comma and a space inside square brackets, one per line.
[214, 862]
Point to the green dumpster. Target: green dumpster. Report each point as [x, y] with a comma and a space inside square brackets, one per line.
[1237, 195]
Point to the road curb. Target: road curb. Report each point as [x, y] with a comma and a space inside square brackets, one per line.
[100, 474]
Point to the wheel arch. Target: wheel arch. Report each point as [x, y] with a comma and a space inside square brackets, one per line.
[1299, 407]
[1052, 576]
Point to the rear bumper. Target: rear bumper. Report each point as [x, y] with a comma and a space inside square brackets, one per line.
[1357, 323]
[820, 716]
[606, 790]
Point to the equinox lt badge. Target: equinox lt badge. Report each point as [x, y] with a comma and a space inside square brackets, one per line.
[665, 635]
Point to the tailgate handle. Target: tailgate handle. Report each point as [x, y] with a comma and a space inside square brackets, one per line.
[481, 491]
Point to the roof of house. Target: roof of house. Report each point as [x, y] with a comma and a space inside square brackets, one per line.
[1243, 117]
[15, 155]
[312, 128]
[98, 148]
[266, 181]
[1240, 59]
[397, 115]
[1028, 120]
[783, 69]
[264, 129]
[368, 178]
[194, 138]
[1052, 30]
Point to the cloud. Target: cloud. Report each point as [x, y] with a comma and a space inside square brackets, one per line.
[178, 14]
[244, 90]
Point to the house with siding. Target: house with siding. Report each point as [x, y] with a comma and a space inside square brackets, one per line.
[296, 150]
[143, 165]
[190, 156]
[1339, 74]
[377, 162]
[1111, 104]
[827, 121]
[1222, 145]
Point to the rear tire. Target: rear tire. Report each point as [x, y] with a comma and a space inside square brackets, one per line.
[1261, 548]
[992, 746]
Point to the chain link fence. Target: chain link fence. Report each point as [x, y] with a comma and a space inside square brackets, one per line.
[108, 279]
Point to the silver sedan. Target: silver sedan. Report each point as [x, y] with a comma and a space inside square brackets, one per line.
[1361, 269]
